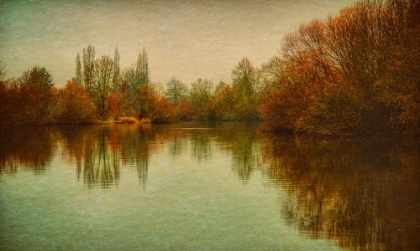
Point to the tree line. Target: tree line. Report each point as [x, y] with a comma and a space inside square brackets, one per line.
[101, 91]
[352, 73]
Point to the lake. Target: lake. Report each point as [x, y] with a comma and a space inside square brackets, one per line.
[205, 187]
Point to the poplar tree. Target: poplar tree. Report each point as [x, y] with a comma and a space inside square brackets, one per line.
[143, 68]
[117, 72]
[138, 75]
[88, 66]
[79, 73]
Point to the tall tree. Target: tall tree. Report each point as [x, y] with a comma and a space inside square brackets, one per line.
[176, 91]
[146, 99]
[88, 66]
[79, 72]
[245, 79]
[117, 74]
[125, 99]
[142, 69]
[201, 93]
[102, 84]
[245, 83]
[38, 95]
[138, 74]
[75, 105]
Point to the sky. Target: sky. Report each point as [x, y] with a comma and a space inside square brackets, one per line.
[187, 39]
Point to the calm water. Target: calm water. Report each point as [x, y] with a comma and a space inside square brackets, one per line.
[204, 187]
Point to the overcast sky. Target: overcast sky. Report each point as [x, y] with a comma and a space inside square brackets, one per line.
[183, 38]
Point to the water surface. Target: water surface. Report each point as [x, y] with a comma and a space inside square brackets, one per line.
[204, 187]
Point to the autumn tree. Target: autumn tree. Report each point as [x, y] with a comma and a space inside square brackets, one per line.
[146, 98]
[337, 75]
[126, 101]
[11, 105]
[224, 102]
[37, 76]
[38, 95]
[75, 105]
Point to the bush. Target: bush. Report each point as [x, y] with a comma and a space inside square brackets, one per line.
[127, 120]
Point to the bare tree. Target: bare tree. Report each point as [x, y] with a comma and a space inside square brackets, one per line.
[176, 91]
[102, 84]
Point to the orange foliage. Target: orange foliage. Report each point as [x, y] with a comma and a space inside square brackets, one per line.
[353, 73]
[75, 105]
[113, 104]
[164, 111]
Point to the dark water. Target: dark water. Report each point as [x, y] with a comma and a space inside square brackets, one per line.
[204, 187]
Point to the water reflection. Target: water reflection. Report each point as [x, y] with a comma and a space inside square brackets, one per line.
[244, 144]
[100, 151]
[201, 142]
[365, 194]
[28, 148]
[95, 154]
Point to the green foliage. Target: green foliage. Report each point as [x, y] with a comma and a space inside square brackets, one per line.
[176, 91]
[79, 72]
[201, 99]
[138, 74]
[245, 84]
[37, 76]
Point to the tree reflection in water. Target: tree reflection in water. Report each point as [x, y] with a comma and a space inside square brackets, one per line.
[93, 149]
[242, 140]
[99, 152]
[363, 193]
[29, 148]
[201, 144]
